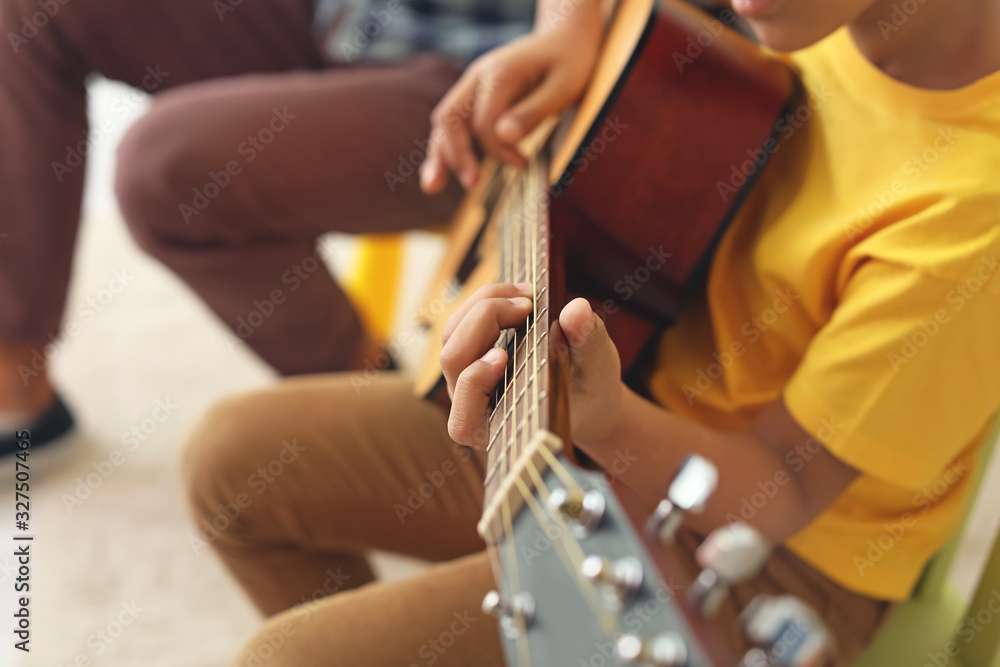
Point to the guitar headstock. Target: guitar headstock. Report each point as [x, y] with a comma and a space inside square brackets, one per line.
[592, 579]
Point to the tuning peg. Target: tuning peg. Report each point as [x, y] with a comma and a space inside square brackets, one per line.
[755, 658]
[620, 580]
[582, 512]
[666, 650]
[728, 555]
[788, 632]
[692, 487]
[515, 616]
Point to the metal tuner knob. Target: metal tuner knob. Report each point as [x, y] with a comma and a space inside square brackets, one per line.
[666, 650]
[787, 631]
[514, 616]
[692, 487]
[583, 513]
[619, 580]
[728, 555]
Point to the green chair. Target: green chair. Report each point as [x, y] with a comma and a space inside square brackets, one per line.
[923, 630]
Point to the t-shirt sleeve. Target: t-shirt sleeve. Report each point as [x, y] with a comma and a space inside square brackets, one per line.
[906, 373]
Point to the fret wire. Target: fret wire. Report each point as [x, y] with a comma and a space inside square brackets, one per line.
[494, 468]
[541, 364]
[524, 249]
[503, 343]
[530, 352]
[542, 395]
[508, 388]
[520, 239]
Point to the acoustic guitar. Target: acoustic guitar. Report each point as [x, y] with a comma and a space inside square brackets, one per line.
[623, 203]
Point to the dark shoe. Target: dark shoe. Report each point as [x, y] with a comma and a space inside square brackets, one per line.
[48, 436]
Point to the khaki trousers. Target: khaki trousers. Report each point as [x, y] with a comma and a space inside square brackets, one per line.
[293, 485]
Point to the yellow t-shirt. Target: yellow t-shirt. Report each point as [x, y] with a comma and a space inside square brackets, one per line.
[858, 283]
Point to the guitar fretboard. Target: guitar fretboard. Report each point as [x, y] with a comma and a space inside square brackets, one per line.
[520, 407]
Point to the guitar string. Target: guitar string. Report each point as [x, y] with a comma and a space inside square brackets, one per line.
[568, 541]
[540, 516]
[554, 464]
[533, 175]
[524, 656]
[562, 472]
[530, 248]
[506, 341]
[523, 652]
[492, 540]
[508, 388]
[570, 554]
[493, 550]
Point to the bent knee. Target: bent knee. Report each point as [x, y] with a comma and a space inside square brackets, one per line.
[219, 457]
[172, 182]
[275, 643]
[149, 177]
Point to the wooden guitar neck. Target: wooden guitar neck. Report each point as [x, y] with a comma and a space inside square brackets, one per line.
[527, 412]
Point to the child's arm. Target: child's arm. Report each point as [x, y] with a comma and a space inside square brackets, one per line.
[641, 443]
[506, 93]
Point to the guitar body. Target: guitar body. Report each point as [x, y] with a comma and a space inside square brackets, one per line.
[638, 167]
[641, 183]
